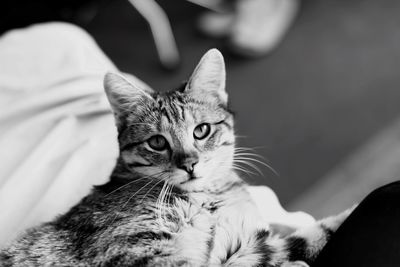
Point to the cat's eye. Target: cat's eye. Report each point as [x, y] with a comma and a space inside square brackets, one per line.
[201, 131]
[157, 142]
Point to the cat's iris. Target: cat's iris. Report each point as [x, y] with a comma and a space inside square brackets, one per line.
[157, 142]
[201, 131]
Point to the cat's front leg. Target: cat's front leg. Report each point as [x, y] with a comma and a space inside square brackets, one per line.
[195, 236]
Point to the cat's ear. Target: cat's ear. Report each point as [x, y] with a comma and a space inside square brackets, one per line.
[124, 95]
[209, 76]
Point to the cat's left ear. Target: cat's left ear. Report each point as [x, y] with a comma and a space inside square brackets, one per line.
[209, 76]
[125, 96]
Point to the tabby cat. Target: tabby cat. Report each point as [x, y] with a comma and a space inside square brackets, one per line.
[174, 197]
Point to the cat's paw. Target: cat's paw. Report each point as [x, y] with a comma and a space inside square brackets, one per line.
[295, 264]
[202, 219]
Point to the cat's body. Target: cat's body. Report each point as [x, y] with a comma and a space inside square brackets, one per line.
[174, 198]
[108, 228]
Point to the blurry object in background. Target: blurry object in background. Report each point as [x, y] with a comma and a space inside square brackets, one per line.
[161, 30]
[215, 5]
[21, 13]
[253, 27]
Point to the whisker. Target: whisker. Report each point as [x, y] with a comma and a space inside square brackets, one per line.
[254, 148]
[129, 199]
[148, 191]
[125, 185]
[248, 154]
[159, 202]
[234, 166]
[244, 170]
[131, 182]
[170, 193]
[139, 123]
[123, 206]
[248, 164]
[244, 155]
[244, 159]
[161, 193]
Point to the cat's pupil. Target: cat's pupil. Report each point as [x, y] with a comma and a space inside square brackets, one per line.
[157, 142]
[201, 131]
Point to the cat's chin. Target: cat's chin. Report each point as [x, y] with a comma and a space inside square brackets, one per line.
[197, 185]
[189, 186]
[190, 183]
[183, 179]
[201, 181]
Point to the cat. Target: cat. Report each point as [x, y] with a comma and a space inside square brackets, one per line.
[174, 197]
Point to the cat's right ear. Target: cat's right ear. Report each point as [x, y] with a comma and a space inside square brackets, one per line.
[124, 96]
[209, 76]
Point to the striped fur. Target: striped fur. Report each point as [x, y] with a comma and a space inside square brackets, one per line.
[156, 211]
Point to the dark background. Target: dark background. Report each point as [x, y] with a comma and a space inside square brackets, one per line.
[330, 86]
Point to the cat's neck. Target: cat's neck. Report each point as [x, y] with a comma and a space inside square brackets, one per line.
[222, 192]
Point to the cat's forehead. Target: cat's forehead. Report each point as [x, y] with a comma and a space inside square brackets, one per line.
[183, 107]
[173, 110]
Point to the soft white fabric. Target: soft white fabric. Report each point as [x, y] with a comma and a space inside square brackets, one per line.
[57, 134]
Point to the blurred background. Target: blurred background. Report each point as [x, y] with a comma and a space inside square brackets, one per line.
[320, 105]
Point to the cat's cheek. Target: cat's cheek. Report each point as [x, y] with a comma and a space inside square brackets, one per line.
[156, 172]
[134, 159]
[216, 168]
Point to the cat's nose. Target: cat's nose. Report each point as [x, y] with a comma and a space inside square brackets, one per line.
[188, 165]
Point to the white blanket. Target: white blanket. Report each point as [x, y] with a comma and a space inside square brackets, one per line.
[57, 134]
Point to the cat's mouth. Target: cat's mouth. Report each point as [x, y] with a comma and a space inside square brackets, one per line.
[191, 178]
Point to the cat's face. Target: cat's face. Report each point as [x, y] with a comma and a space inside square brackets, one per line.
[184, 137]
